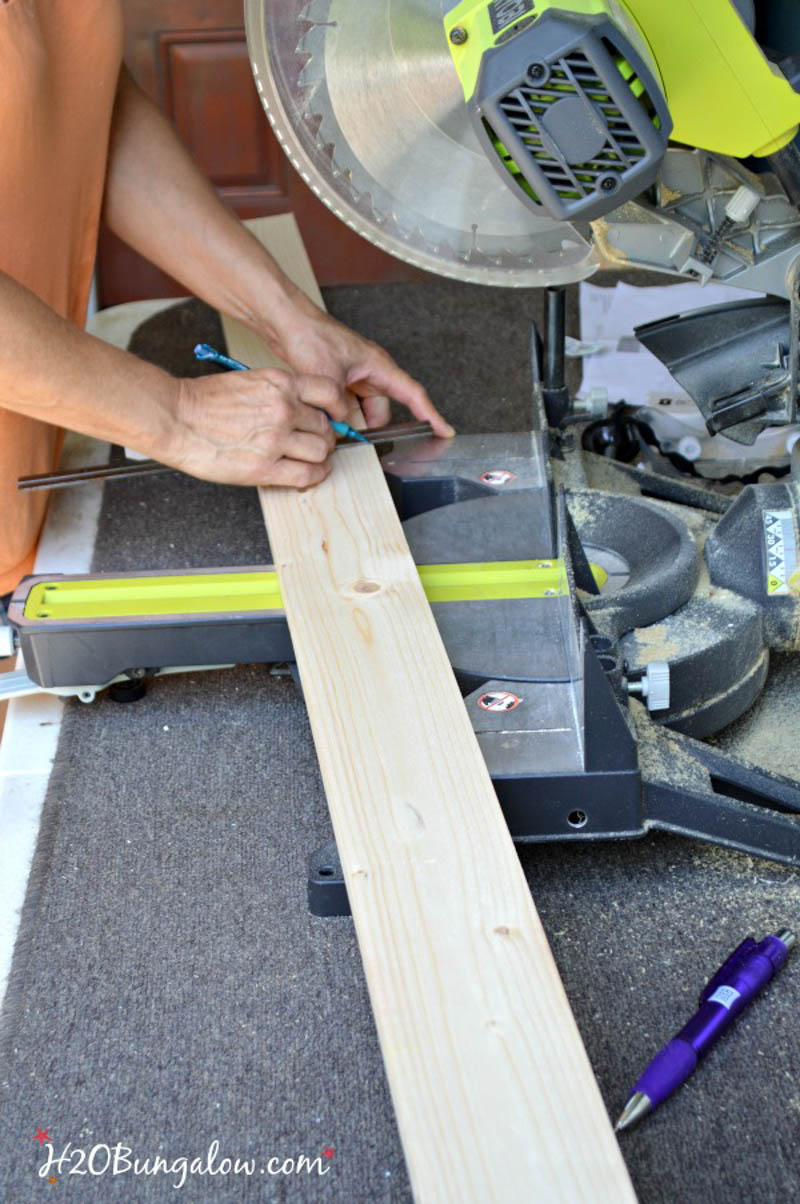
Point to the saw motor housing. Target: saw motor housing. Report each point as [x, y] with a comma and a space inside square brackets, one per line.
[564, 105]
[576, 100]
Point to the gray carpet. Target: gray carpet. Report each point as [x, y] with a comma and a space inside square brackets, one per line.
[169, 987]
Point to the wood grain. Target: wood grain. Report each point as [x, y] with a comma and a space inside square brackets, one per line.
[494, 1094]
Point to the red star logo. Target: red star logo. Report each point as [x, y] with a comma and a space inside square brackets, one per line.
[329, 1151]
[42, 1135]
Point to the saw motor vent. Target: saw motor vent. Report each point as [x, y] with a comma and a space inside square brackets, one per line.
[580, 131]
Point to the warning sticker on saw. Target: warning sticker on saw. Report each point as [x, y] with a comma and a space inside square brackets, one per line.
[499, 700]
[497, 476]
[781, 546]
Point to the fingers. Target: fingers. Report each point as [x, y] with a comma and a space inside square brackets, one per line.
[323, 393]
[391, 381]
[297, 474]
[355, 410]
[419, 403]
[321, 344]
[376, 410]
[299, 445]
[254, 428]
[314, 422]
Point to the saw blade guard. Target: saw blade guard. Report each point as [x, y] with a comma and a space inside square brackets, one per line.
[367, 104]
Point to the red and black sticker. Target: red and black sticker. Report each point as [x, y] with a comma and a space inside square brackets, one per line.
[499, 700]
[497, 476]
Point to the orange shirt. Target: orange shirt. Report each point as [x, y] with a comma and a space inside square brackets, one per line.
[59, 63]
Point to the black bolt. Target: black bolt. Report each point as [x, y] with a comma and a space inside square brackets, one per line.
[458, 35]
[536, 72]
[609, 183]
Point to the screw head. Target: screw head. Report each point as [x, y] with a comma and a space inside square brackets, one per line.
[537, 72]
[609, 183]
[458, 35]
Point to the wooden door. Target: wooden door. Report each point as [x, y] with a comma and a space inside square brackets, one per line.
[191, 57]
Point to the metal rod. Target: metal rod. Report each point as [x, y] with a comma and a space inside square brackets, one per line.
[556, 398]
[96, 472]
[393, 433]
[555, 318]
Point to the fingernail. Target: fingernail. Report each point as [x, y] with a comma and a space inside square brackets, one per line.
[449, 431]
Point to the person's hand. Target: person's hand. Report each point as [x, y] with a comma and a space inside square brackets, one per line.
[265, 427]
[312, 341]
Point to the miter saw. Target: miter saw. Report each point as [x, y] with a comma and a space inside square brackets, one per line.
[602, 618]
[530, 143]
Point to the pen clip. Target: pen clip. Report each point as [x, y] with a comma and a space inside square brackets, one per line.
[722, 977]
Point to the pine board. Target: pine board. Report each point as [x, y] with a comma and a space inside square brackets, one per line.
[494, 1095]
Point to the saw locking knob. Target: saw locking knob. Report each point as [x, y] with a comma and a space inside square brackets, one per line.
[653, 686]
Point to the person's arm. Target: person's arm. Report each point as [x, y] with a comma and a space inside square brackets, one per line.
[162, 205]
[242, 428]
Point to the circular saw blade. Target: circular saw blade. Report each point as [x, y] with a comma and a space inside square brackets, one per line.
[365, 100]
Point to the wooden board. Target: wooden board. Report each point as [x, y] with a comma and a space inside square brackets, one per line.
[494, 1094]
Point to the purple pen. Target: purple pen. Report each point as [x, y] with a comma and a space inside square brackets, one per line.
[746, 972]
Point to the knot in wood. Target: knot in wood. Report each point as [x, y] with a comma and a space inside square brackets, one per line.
[366, 587]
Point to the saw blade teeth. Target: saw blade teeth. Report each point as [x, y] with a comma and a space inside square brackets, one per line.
[311, 85]
[370, 180]
[346, 169]
[315, 12]
[312, 47]
[311, 123]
